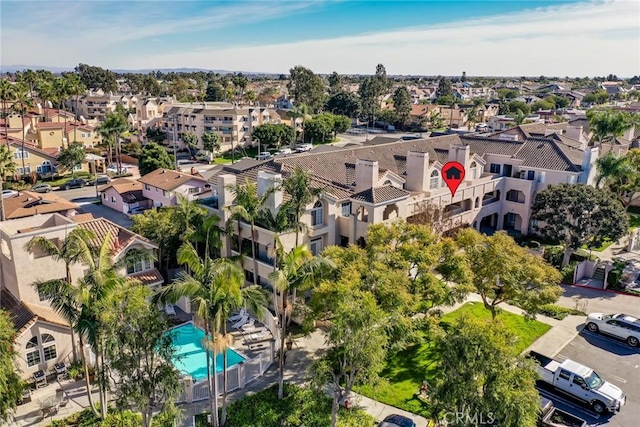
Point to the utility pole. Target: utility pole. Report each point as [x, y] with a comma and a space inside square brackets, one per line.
[175, 148]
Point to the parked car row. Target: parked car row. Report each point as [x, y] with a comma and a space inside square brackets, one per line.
[298, 148]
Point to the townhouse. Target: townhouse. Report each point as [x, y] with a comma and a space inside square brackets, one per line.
[162, 186]
[123, 195]
[97, 105]
[44, 337]
[233, 124]
[376, 184]
[28, 203]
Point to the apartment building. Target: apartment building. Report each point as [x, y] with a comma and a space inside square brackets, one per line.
[44, 337]
[376, 184]
[149, 112]
[233, 124]
[97, 105]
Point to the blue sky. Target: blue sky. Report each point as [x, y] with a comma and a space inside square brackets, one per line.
[499, 37]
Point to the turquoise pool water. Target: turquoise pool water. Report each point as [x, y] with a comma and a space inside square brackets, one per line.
[191, 357]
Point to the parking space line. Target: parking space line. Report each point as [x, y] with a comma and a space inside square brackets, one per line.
[617, 378]
[572, 405]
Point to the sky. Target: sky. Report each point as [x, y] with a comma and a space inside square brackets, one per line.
[491, 37]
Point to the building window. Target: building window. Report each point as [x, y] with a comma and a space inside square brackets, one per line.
[316, 246]
[48, 347]
[77, 168]
[147, 187]
[165, 193]
[344, 241]
[21, 154]
[346, 209]
[24, 171]
[113, 199]
[474, 170]
[433, 180]
[33, 352]
[194, 190]
[494, 168]
[317, 214]
[531, 175]
[140, 265]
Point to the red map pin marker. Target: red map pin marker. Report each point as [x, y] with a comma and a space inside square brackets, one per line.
[452, 175]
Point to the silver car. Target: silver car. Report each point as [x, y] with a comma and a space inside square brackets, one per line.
[619, 325]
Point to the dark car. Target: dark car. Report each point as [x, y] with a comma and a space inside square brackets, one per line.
[395, 420]
[101, 180]
[74, 183]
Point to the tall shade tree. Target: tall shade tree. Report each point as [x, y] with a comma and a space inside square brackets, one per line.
[402, 104]
[248, 206]
[7, 167]
[140, 353]
[21, 104]
[299, 269]
[480, 374]
[306, 88]
[215, 289]
[154, 156]
[10, 383]
[503, 271]
[578, 214]
[357, 343]
[190, 140]
[211, 142]
[71, 156]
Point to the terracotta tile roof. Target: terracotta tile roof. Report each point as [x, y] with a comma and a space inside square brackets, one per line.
[83, 217]
[380, 194]
[168, 180]
[45, 313]
[50, 125]
[16, 142]
[150, 277]
[120, 237]
[20, 315]
[122, 185]
[27, 203]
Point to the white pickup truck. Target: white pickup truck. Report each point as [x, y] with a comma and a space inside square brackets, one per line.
[580, 382]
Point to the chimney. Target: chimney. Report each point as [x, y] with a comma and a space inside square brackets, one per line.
[460, 153]
[194, 171]
[575, 132]
[589, 168]
[266, 181]
[417, 171]
[628, 134]
[367, 172]
[225, 195]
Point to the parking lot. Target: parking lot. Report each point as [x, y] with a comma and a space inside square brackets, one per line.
[615, 362]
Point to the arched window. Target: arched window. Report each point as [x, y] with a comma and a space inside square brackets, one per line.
[317, 214]
[33, 352]
[49, 347]
[433, 179]
[387, 182]
[474, 170]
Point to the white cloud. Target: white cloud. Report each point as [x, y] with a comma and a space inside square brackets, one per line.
[577, 39]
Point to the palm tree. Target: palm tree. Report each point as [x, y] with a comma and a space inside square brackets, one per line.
[299, 112]
[607, 166]
[113, 126]
[299, 269]
[248, 207]
[278, 223]
[75, 87]
[29, 79]
[60, 92]
[215, 289]
[46, 93]
[298, 186]
[7, 93]
[6, 167]
[21, 105]
[72, 301]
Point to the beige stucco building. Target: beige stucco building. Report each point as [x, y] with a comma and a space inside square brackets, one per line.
[233, 124]
[380, 183]
[44, 337]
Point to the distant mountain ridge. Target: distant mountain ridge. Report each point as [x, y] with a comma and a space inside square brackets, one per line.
[14, 68]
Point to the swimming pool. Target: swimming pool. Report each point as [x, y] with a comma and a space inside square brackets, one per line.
[191, 357]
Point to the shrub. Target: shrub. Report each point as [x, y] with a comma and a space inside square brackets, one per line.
[567, 272]
[613, 279]
[557, 312]
[301, 406]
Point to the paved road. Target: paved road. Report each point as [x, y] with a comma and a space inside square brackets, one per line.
[617, 363]
[594, 300]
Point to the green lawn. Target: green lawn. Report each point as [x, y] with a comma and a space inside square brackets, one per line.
[406, 369]
[634, 222]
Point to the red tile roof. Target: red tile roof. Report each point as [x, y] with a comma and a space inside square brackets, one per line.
[120, 237]
[151, 277]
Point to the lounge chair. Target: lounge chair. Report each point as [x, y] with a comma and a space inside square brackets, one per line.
[257, 336]
[249, 326]
[169, 309]
[238, 316]
[240, 322]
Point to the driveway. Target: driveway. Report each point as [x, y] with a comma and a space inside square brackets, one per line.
[614, 361]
